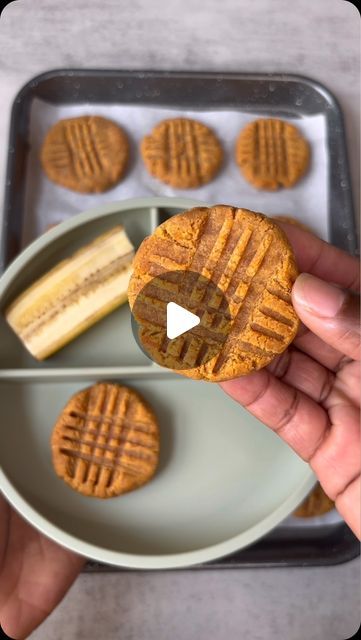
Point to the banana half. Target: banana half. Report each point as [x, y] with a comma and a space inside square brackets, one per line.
[74, 295]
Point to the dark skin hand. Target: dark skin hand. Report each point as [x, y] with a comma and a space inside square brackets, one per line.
[310, 395]
[35, 574]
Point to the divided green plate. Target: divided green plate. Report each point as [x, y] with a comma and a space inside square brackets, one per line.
[224, 479]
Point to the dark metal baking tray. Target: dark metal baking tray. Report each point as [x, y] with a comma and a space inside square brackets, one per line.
[284, 547]
[273, 94]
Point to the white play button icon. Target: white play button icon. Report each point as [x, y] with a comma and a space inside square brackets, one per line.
[179, 320]
[166, 329]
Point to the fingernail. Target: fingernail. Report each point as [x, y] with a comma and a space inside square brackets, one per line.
[318, 296]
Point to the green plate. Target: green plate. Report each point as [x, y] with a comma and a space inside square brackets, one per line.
[224, 479]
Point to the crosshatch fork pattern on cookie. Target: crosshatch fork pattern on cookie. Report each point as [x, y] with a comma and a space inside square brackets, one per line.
[242, 264]
[105, 439]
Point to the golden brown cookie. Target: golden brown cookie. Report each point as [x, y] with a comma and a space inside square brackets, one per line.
[293, 221]
[316, 504]
[87, 154]
[181, 152]
[106, 441]
[272, 153]
[250, 260]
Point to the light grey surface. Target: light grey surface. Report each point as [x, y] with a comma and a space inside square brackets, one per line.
[296, 604]
[318, 38]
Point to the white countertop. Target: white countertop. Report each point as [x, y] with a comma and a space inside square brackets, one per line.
[316, 38]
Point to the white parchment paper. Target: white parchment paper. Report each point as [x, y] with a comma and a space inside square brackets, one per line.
[47, 203]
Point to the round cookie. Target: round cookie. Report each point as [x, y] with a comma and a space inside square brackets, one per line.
[88, 154]
[293, 221]
[316, 504]
[181, 152]
[250, 260]
[272, 153]
[106, 441]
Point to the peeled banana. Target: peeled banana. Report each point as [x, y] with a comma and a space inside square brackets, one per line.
[73, 295]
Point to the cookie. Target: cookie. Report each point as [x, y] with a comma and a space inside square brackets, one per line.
[271, 154]
[51, 226]
[316, 504]
[106, 441]
[181, 152]
[293, 221]
[87, 154]
[250, 260]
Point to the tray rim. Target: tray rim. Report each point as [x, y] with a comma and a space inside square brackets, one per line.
[353, 549]
[170, 73]
[348, 549]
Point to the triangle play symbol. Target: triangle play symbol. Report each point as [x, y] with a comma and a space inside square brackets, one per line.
[179, 320]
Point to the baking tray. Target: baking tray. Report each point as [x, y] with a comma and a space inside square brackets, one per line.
[271, 94]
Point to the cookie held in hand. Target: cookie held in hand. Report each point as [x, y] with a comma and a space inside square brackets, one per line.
[245, 322]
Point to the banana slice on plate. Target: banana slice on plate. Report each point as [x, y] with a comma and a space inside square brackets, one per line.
[74, 295]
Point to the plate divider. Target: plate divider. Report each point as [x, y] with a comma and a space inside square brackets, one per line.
[85, 373]
[154, 218]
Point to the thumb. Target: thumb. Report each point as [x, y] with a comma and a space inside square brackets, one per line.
[331, 313]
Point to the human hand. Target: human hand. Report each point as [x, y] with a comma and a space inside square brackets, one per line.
[310, 394]
[35, 574]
